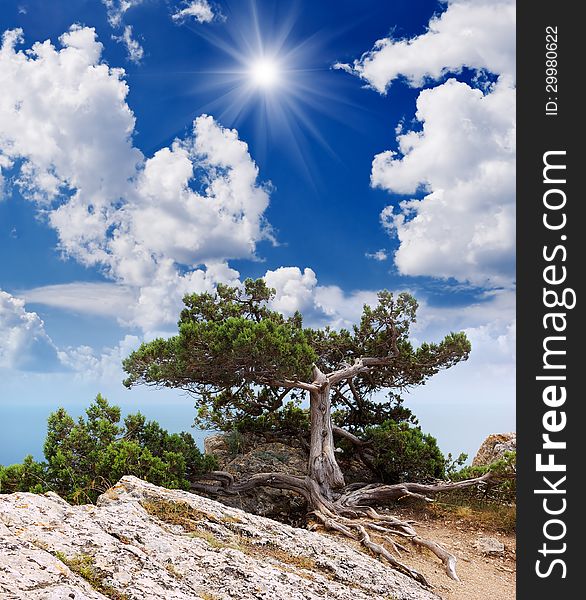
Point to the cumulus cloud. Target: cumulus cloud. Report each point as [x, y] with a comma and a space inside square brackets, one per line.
[458, 163]
[134, 50]
[294, 288]
[103, 366]
[5, 164]
[25, 344]
[464, 156]
[63, 114]
[298, 290]
[162, 225]
[479, 34]
[226, 214]
[483, 386]
[489, 322]
[200, 10]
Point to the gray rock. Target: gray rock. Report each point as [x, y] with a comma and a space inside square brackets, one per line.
[216, 445]
[493, 448]
[490, 546]
[262, 454]
[269, 457]
[147, 542]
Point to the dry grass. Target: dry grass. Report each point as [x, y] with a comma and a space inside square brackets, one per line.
[171, 569]
[208, 595]
[487, 515]
[247, 546]
[227, 519]
[193, 521]
[83, 565]
[177, 513]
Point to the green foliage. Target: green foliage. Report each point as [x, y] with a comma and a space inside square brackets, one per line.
[357, 416]
[242, 361]
[453, 465]
[226, 339]
[235, 442]
[28, 476]
[503, 489]
[400, 452]
[84, 457]
[290, 419]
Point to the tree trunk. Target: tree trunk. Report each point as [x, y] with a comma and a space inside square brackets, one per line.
[323, 467]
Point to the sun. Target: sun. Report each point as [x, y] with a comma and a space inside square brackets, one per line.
[270, 81]
[264, 73]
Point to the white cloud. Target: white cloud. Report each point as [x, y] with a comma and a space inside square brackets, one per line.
[200, 10]
[462, 129]
[116, 10]
[105, 366]
[159, 301]
[25, 344]
[479, 34]
[380, 255]
[489, 323]
[294, 288]
[341, 309]
[149, 223]
[298, 290]
[63, 114]
[464, 156]
[224, 220]
[5, 164]
[477, 397]
[102, 299]
[134, 50]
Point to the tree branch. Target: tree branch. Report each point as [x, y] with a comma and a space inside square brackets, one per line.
[302, 385]
[349, 436]
[374, 494]
[361, 446]
[361, 365]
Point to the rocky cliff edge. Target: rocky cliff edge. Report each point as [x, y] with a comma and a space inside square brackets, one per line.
[142, 542]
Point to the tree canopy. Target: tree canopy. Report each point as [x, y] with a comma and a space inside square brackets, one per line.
[245, 362]
[239, 357]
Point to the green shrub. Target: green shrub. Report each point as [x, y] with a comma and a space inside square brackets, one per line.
[28, 476]
[84, 457]
[501, 491]
[402, 452]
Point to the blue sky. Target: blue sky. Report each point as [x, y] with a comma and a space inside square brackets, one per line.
[154, 147]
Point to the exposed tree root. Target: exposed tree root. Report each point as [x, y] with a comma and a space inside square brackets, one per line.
[364, 538]
[446, 557]
[351, 513]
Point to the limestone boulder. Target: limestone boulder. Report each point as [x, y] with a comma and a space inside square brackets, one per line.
[142, 542]
[494, 447]
[261, 455]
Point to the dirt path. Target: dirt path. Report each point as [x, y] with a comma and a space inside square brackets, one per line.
[482, 577]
